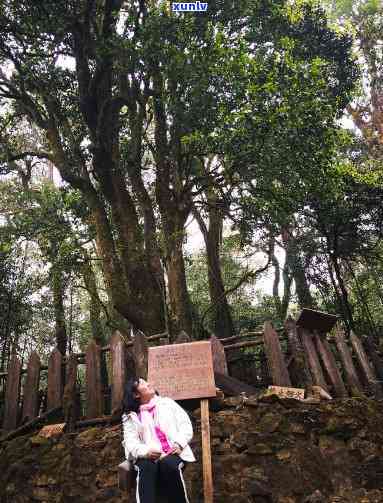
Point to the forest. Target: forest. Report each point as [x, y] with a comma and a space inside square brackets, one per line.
[201, 172]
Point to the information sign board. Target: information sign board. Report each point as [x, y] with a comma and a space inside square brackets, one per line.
[182, 371]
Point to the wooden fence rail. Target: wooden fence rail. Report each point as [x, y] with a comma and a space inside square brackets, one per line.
[339, 366]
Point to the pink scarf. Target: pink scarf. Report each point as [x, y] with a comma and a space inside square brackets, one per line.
[153, 436]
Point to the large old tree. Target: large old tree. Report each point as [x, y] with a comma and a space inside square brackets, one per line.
[131, 99]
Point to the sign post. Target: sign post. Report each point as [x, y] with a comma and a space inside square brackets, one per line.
[185, 371]
[206, 452]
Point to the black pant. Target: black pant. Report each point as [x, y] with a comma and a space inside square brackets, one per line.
[160, 477]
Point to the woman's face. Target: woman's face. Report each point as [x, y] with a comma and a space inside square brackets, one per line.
[144, 391]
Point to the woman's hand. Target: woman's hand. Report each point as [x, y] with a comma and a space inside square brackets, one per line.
[154, 454]
[176, 449]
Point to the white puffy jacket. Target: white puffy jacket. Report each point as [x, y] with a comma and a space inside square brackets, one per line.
[172, 420]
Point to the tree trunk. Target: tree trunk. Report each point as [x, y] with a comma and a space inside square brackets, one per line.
[287, 280]
[7, 334]
[296, 267]
[145, 294]
[277, 278]
[281, 305]
[152, 248]
[58, 289]
[94, 301]
[138, 300]
[94, 314]
[344, 295]
[175, 205]
[302, 288]
[181, 318]
[223, 322]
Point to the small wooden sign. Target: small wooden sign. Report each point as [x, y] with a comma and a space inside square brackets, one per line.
[310, 319]
[52, 430]
[182, 371]
[284, 392]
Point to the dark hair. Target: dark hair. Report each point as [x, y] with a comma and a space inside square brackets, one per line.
[130, 403]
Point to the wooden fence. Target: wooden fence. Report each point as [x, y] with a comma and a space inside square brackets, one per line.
[291, 356]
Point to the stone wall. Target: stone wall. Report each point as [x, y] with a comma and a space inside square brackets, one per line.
[279, 451]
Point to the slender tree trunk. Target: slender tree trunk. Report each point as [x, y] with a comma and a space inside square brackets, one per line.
[281, 305]
[178, 294]
[7, 334]
[344, 295]
[115, 319]
[94, 301]
[174, 229]
[152, 248]
[297, 269]
[94, 315]
[303, 291]
[287, 280]
[338, 294]
[70, 334]
[58, 289]
[223, 322]
[277, 278]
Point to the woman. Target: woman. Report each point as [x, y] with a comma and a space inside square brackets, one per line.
[157, 432]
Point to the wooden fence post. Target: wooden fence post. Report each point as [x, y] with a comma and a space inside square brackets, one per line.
[12, 394]
[118, 358]
[219, 356]
[299, 368]
[55, 384]
[352, 378]
[315, 366]
[70, 393]
[374, 356]
[330, 365]
[31, 388]
[365, 365]
[276, 361]
[94, 398]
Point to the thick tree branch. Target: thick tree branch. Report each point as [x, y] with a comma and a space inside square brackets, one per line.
[23, 155]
